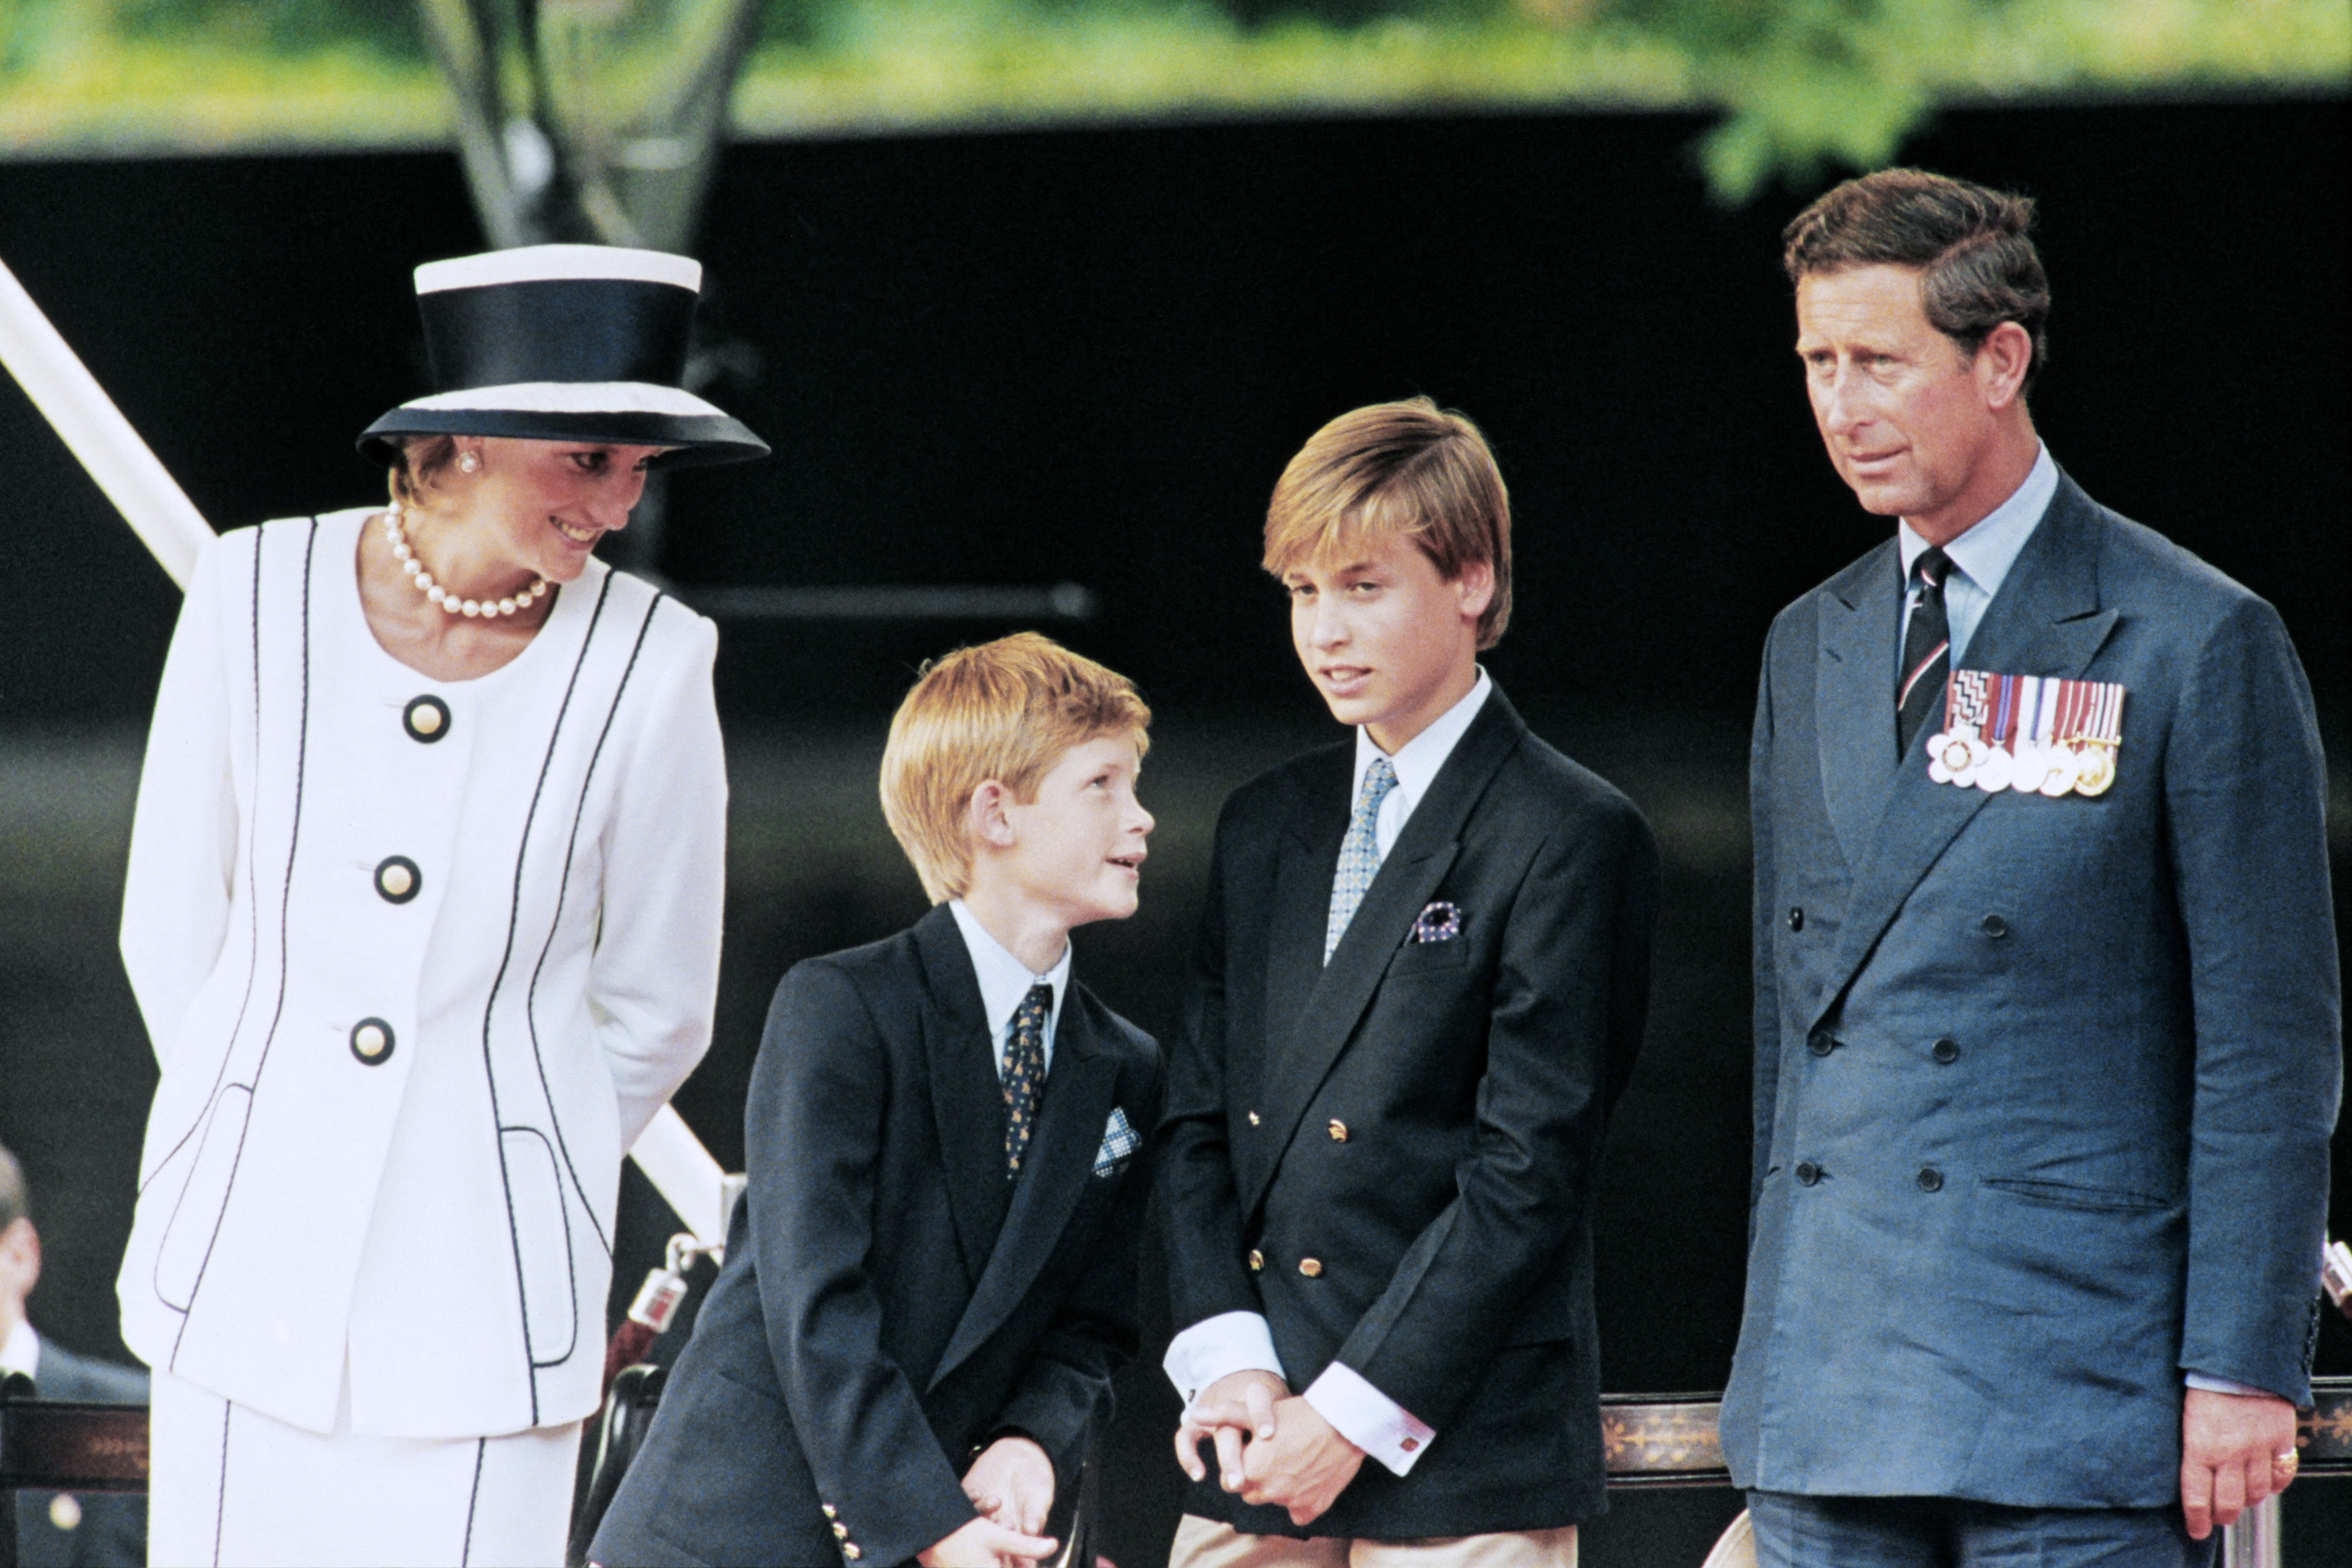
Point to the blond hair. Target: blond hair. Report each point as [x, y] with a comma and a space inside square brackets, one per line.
[1408, 470]
[416, 464]
[1006, 711]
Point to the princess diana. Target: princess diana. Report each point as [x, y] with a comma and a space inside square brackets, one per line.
[423, 915]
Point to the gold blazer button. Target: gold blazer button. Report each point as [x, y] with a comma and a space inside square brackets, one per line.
[1310, 1266]
[1338, 1131]
[1256, 1259]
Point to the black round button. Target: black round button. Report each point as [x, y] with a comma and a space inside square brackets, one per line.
[1808, 1172]
[1930, 1179]
[398, 880]
[1796, 917]
[1993, 925]
[372, 1041]
[1822, 1041]
[425, 719]
[1947, 1051]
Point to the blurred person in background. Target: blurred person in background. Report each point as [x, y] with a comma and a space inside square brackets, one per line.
[55, 1529]
[2047, 1032]
[423, 915]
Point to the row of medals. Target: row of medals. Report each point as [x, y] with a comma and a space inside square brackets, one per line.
[1960, 756]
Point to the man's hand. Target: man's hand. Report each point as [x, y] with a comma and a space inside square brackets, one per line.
[1011, 1483]
[1304, 1466]
[1234, 1409]
[984, 1544]
[2229, 1445]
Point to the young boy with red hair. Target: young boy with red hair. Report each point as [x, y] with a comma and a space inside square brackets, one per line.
[931, 1277]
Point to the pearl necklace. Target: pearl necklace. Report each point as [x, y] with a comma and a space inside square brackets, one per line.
[403, 552]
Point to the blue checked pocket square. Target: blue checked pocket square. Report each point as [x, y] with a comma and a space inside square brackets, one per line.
[1118, 1146]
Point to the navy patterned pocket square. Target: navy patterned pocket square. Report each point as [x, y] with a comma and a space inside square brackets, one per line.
[1118, 1146]
[1441, 922]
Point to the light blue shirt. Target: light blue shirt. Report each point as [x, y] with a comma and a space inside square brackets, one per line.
[1004, 982]
[1416, 763]
[1980, 558]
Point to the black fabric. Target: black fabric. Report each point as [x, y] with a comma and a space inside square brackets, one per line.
[1451, 1229]
[1927, 650]
[699, 439]
[112, 1532]
[1024, 1073]
[558, 329]
[889, 1299]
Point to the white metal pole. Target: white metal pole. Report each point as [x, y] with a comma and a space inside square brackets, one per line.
[70, 399]
[163, 517]
[2253, 1541]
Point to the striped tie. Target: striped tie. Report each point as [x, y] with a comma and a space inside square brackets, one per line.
[1926, 649]
[1024, 1073]
[1360, 853]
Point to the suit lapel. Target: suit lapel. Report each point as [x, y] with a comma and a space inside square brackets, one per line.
[1308, 858]
[1080, 1090]
[967, 1100]
[1853, 694]
[2045, 621]
[1299, 1057]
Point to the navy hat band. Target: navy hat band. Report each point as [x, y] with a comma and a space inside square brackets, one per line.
[558, 329]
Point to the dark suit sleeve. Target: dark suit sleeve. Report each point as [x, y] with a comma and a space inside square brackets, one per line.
[1094, 1332]
[1200, 1210]
[2245, 786]
[812, 1135]
[1578, 931]
[1766, 1025]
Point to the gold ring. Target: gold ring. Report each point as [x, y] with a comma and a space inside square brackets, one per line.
[2290, 1460]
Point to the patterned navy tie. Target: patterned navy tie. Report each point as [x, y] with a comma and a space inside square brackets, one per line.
[1024, 1073]
[1926, 650]
[1360, 853]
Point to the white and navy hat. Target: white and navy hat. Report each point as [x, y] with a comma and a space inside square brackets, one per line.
[564, 342]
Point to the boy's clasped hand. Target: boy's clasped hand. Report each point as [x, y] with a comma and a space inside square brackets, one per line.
[1272, 1447]
[1011, 1484]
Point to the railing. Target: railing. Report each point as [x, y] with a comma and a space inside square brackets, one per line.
[1649, 1440]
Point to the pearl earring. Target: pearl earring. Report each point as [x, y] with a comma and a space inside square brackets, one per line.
[471, 462]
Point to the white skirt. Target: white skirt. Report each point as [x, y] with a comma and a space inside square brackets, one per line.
[231, 1488]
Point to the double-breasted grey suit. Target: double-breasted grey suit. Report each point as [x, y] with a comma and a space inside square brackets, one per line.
[890, 1301]
[2044, 1087]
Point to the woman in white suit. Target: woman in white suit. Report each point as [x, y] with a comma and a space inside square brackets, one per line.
[423, 914]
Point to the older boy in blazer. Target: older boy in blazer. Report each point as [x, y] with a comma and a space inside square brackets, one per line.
[1419, 980]
[932, 1275]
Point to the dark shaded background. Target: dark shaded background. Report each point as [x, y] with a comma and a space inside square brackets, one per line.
[1084, 355]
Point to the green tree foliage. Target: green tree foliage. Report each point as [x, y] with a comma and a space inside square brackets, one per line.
[388, 27]
[1808, 88]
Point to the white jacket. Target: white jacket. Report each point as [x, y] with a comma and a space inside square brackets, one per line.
[378, 1182]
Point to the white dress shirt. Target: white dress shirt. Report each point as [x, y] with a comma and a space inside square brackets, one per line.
[1980, 558]
[22, 1352]
[1241, 1342]
[1004, 982]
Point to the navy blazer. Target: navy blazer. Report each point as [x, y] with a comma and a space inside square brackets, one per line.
[1392, 1156]
[890, 1301]
[2044, 1087]
[108, 1530]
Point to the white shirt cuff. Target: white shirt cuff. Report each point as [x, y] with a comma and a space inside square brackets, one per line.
[2218, 1386]
[1368, 1419]
[1219, 1347]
